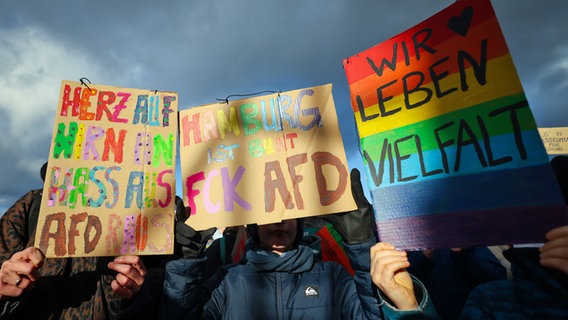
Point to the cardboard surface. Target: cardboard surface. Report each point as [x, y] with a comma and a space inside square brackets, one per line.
[452, 153]
[264, 159]
[110, 182]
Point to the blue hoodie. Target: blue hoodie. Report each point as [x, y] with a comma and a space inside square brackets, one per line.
[291, 286]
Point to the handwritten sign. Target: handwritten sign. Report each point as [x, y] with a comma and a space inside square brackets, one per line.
[110, 182]
[450, 145]
[264, 159]
[555, 139]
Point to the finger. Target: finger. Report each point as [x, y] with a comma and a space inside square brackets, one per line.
[123, 292]
[381, 246]
[185, 231]
[35, 256]
[386, 266]
[554, 244]
[181, 212]
[131, 267]
[127, 271]
[403, 278]
[555, 252]
[135, 261]
[127, 282]
[388, 271]
[23, 283]
[14, 269]
[10, 290]
[357, 189]
[384, 255]
[557, 233]
[556, 263]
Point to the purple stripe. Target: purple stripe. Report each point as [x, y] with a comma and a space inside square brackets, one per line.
[524, 186]
[464, 229]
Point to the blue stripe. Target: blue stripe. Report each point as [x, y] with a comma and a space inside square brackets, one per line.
[502, 146]
[529, 186]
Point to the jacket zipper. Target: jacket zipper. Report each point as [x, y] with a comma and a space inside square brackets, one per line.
[279, 296]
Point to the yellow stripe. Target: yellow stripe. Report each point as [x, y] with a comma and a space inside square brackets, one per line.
[502, 80]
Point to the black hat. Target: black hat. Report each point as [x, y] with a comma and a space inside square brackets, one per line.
[42, 171]
[252, 231]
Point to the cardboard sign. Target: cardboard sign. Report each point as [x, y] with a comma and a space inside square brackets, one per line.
[555, 139]
[110, 182]
[264, 159]
[452, 153]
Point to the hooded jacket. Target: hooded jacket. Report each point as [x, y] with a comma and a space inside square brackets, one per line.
[534, 292]
[294, 285]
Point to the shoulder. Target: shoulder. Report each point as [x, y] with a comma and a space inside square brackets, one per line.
[23, 203]
[14, 225]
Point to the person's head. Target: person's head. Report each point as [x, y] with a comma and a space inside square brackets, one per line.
[277, 237]
[43, 171]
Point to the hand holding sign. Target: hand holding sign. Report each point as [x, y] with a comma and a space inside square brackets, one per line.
[190, 242]
[355, 226]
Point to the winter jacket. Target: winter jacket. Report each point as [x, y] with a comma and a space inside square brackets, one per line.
[449, 276]
[70, 288]
[534, 292]
[292, 286]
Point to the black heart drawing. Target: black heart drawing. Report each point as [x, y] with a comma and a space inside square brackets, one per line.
[460, 24]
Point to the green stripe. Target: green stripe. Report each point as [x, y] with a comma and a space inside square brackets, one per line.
[495, 126]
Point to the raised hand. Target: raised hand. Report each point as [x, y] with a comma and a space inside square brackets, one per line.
[354, 226]
[191, 242]
[20, 272]
[388, 271]
[130, 277]
[554, 253]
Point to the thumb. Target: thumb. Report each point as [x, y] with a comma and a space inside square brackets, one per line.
[35, 256]
[181, 212]
[403, 278]
[357, 189]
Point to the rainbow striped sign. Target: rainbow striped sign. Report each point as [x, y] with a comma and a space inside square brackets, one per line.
[452, 152]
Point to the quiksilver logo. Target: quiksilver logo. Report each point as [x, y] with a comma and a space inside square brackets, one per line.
[311, 291]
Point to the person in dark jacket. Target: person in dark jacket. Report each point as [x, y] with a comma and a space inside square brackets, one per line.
[282, 279]
[450, 275]
[539, 286]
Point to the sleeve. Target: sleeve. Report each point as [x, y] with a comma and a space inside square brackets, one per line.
[425, 309]
[139, 307]
[182, 297]
[373, 302]
[13, 238]
[360, 258]
[14, 224]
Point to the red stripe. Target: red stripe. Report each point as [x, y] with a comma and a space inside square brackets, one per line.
[484, 24]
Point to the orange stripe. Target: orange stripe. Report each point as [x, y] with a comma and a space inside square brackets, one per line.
[502, 81]
[496, 48]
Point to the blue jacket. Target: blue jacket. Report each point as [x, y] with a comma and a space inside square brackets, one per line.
[267, 286]
[449, 276]
[534, 292]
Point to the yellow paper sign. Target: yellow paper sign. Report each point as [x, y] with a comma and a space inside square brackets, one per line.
[264, 159]
[555, 139]
[110, 182]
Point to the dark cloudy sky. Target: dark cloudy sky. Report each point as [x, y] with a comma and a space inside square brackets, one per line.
[205, 50]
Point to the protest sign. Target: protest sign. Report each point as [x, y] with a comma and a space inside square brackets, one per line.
[451, 149]
[263, 159]
[110, 182]
[555, 139]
